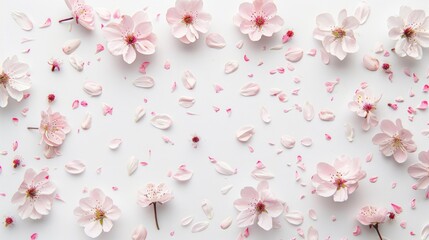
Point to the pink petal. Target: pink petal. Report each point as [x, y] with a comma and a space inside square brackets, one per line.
[294, 54]
[46, 24]
[22, 20]
[188, 80]
[362, 12]
[215, 40]
[308, 111]
[75, 167]
[161, 121]
[250, 89]
[396, 208]
[312, 234]
[244, 134]
[144, 82]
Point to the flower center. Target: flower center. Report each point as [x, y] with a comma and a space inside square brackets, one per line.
[31, 192]
[259, 21]
[397, 142]
[188, 19]
[260, 207]
[338, 33]
[4, 78]
[408, 33]
[130, 39]
[341, 183]
[368, 107]
[99, 215]
[195, 139]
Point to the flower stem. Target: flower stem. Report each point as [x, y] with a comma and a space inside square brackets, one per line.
[32, 128]
[156, 215]
[65, 19]
[378, 232]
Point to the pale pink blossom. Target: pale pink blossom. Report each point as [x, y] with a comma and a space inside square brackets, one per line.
[372, 217]
[82, 13]
[14, 80]
[395, 140]
[153, 195]
[338, 39]
[258, 19]
[96, 213]
[35, 195]
[186, 19]
[131, 35]
[420, 171]
[411, 30]
[53, 128]
[364, 105]
[258, 204]
[338, 180]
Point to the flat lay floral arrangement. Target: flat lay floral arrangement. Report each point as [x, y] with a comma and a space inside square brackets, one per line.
[191, 119]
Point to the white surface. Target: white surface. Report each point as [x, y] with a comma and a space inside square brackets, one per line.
[216, 130]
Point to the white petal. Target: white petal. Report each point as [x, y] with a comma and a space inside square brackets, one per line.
[226, 223]
[139, 113]
[262, 174]
[183, 174]
[312, 234]
[189, 80]
[308, 111]
[93, 88]
[215, 40]
[77, 63]
[186, 220]
[207, 208]
[139, 233]
[350, 132]
[312, 214]
[371, 63]
[132, 165]
[294, 217]
[87, 122]
[287, 141]
[362, 12]
[186, 102]
[224, 190]
[115, 143]
[244, 134]
[200, 226]
[75, 167]
[22, 20]
[224, 168]
[326, 115]
[294, 54]
[103, 13]
[250, 89]
[161, 121]
[71, 45]
[144, 82]
[425, 232]
[307, 142]
[265, 116]
[231, 66]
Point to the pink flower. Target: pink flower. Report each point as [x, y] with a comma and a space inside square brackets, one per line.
[151, 195]
[96, 213]
[364, 105]
[258, 18]
[55, 64]
[258, 204]
[35, 195]
[420, 171]
[82, 13]
[394, 140]
[187, 19]
[14, 80]
[130, 35]
[338, 180]
[410, 29]
[337, 39]
[54, 129]
[372, 217]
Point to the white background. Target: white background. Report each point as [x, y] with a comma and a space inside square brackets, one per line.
[216, 130]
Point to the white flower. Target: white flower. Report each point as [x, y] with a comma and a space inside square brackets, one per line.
[411, 30]
[337, 39]
[14, 80]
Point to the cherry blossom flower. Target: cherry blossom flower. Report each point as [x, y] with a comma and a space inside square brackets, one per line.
[130, 35]
[96, 213]
[55, 64]
[410, 29]
[152, 194]
[395, 140]
[338, 180]
[35, 195]
[82, 13]
[258, 204]
[372, 217]
[420, 171]
[14, 80]
[337, 39]
[258, 19]
[187, 19]
[364, 105]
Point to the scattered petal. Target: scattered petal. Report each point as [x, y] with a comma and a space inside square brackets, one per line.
[77, 63]
[132, 165]
[87, 122]
[188, 80]
[161, 121]
[294, 217]
[207, 208]
[115, 143]
[226, 223]
[186, 102]
[186, 221]
[22, 20]
[287, 141]
[230, 67]
[265, 116]
[93, 88]
[308, 111]
[183, 174]
[215, 40]
[144, 82]
[70, 46]
[250, 89]
[200, 226]
[75, 167]
[294, 54]
[139, 113]
[244, 134]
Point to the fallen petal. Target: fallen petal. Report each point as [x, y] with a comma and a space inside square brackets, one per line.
[215, 40]
[22, 20]
[161, 121]
[244, 134]
[207, 208]
[326, 115]
[371, 63]
[115, 143]
[132, 165]
[87, 122]
[93, 88]
[226, 223]
[77, 63]
[144, 82]
[308, 111]
[71, 45]
[265, 116]
[200, 226]
[186, 220]
[294, 54]
[294, 217]
[75, 167]
[139, 113]
[186, 102]
[287, 141]
[250, 89]
[230, 67]
[188, 80]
